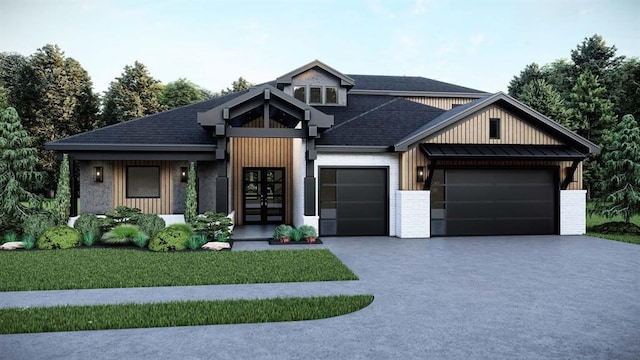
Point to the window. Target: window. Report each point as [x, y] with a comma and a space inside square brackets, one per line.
[299, 93]
[315, 95]
[455, 105]
[494, 128]
[143, 182]
[331, 95]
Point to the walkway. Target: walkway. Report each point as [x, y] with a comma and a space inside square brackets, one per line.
[547, 297]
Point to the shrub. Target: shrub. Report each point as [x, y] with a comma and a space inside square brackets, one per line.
[121, 234]
[308, 231]
[141, 239]
[212, 223]
[616, 227]
[35, 225]
[196, 241]
[89, 238]
[296, 235]
[89, 224]
[60, 212]
[222, 237]
[171, 238]
[191, 201]
[121, 215]
[11, 236]
[59, 237]
[28, 241]
[150, 224]
[283, 231]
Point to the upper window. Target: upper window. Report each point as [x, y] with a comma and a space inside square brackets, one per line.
[143, 181]
[455, 105]
[330, 95]
[299, 93]
[315, 95]
[494, 128]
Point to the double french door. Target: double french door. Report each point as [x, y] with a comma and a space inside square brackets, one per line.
[263, 195]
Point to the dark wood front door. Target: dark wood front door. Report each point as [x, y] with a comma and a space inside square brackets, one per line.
[263, 195]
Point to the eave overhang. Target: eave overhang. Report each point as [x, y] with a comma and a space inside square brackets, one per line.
[500, 152]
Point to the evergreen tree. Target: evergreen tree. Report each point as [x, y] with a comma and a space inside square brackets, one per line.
[86, 103]
[4, 99]
[529, 73]
[63, 194]
[191, 201]
[542, 97]
[18, 173]
[559, 74]
[179, 93]
[595, 56]
[132, 95]
[626, 92]
[620, 189]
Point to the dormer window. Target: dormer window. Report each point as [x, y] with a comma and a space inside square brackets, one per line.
[330, 95]
[315, 95]
[299, 92]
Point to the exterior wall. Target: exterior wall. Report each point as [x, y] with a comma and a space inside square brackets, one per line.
[96, 198]
[440, 102]
[317, 77]
[262, 152]
[207, 173]
[179, 188]
[413, 215]
[573, 212]
[299, 173]
[367, 160]
[475, 130]
[161, 205]
[413, 158]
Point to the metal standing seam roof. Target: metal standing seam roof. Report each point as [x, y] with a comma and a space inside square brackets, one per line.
[500, 152]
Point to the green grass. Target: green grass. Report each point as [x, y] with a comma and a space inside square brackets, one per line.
[183, 313]
[88, 268]
[595, 219]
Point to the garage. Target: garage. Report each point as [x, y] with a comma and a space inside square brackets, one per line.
[354, 202]
[494, 202]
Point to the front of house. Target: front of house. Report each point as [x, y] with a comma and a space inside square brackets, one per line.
[352, 155]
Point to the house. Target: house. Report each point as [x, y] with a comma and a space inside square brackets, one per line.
[350, 154]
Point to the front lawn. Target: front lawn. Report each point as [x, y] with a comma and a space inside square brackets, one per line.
[595, 219]
[183, 313]
[89, 268]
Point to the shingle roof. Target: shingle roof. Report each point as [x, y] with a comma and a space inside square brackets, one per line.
[406, 83]
[375, 121]
[176, 126]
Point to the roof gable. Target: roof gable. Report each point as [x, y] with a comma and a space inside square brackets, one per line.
[463, 112]
[287, 78]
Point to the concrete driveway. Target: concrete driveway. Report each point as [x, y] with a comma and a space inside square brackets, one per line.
[526, 297]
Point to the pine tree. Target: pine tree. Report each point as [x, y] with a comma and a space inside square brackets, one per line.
[18, 173]
[530, 73]
[63, 194]
[620, 189]
[191, 202]
[132, 95]
[542, 97]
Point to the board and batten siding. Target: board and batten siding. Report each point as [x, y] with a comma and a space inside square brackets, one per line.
[161, 205]
[414, 158]
[440, 102]
[262, 153]
[475, 130]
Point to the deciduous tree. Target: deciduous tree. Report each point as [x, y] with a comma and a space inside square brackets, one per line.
[239, 85]
[179, 93]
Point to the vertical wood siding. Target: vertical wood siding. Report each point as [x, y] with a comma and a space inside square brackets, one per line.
[475, 130]
[161, 205]
[441, 103]
[260, 152]
[414, 158]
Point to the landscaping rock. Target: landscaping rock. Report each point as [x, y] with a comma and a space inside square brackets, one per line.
[216, 245]
[12, 245]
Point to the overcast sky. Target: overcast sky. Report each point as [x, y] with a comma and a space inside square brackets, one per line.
[478, 44]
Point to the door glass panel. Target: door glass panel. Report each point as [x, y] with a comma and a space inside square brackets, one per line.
[264, 195]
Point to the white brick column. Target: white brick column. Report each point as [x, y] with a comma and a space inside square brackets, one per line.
[573, 212]
[413, 214]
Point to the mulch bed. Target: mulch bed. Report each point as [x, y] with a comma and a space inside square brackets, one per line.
[302, 242]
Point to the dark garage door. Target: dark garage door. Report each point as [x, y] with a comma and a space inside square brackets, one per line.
[353, 201]
[495, 202]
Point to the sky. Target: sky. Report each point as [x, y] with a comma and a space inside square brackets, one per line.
[479, 44]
